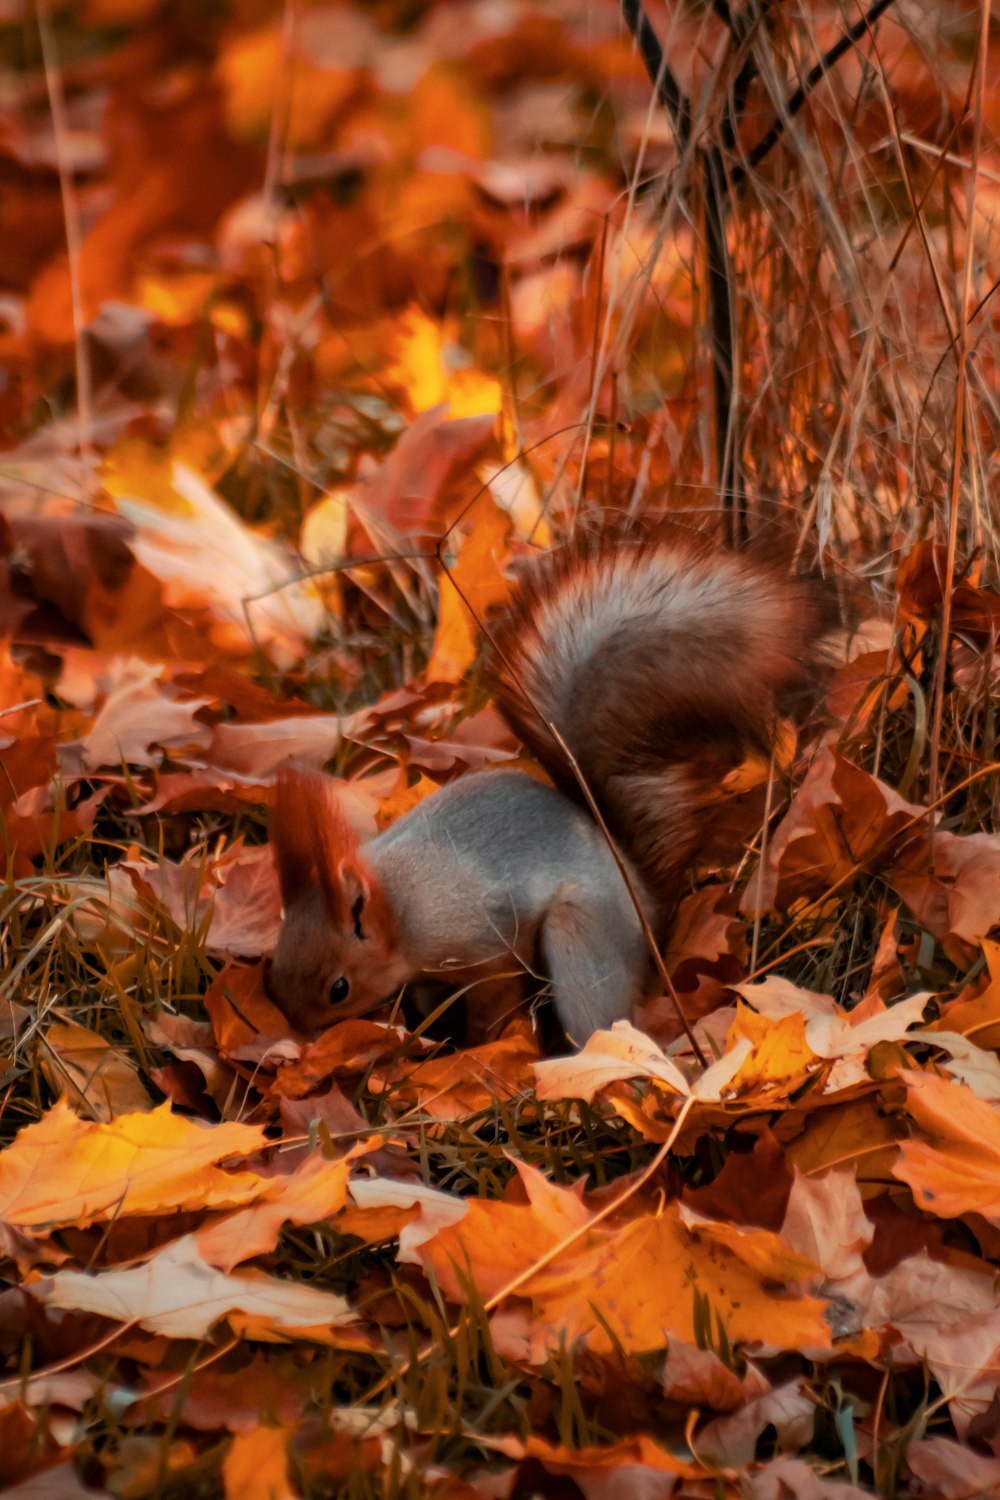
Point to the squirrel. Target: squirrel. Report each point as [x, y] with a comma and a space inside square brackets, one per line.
[659, 664]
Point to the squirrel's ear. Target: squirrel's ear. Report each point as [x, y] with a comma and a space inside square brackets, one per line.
[291, 833]
[310, 837]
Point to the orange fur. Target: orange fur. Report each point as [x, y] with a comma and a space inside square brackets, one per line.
[329, 894]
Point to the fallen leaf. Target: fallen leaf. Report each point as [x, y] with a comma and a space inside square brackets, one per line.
[64, 1170]
[641, 1277]
[841, 822]
[952, 1471]
[176, 1293]
[731, 1440]
[98, 1080]
[315, 1191]
[137, 715]
[461, 1083]
[256, 1466]
[468, 591]
[607, 1057]
[235, 898]
[207, 561]
[427, 476]
[957, 1169]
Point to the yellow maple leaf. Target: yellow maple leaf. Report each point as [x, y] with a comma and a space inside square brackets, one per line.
[478, 578]
[64, 1170]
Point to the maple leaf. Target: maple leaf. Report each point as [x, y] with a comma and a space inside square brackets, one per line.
[976, 1011]
[384, 1209]
[176, 1293]
[698, 1377]
[96, 1079]
[609, 1057]
[641, 1276]
[351, 1047]
[953, 1471]
[731, 1440]
[958, 1170]
[136, 715]
[842, 821]
[237, 894]
[642, 1464]
[417, 488]
[259, 749]
[247, 1025]
[978, 1069]
[453, 1086]
[257, 1464]
[467, 592]
[953, 886]
[206, 559]
[830, 1032]
[315, 1191]
[784, 1477]
[63, 1170]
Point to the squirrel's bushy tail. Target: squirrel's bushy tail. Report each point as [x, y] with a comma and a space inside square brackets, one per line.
[661, 664]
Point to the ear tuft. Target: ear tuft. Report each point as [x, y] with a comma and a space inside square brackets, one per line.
[311, 837]
[291, 840]
[314, 844]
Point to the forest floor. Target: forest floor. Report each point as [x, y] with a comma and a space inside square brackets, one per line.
[317, 320]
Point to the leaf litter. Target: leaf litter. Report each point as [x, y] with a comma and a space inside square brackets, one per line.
[361, 305]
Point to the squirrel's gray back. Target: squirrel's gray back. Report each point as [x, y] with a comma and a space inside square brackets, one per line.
[485, 855]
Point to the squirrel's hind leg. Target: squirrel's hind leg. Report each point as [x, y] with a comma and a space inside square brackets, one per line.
[596, 961]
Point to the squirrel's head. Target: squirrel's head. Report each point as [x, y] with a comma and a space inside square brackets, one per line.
[337, 953]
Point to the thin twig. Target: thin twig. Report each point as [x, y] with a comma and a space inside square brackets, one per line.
[546, 1259]
[796, 100]
[668, 90]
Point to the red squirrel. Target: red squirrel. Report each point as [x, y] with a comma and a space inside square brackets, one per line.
[659, 664]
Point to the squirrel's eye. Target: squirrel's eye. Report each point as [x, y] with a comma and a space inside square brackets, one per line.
[338, 990]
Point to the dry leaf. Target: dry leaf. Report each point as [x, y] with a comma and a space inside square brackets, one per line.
[256, 1466]
[176, 1293]
[64, 1170]
[957, 1169]
[98, 1080]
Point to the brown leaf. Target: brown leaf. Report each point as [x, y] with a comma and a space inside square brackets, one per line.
[237, 894]
[462, 1083]
[957, 1169]
[952, 884]
[428, 475]
[348, 1048]
[697, 1377]
[638, 1274]
[468, 591]
[842, 822]
[137, 714]
[257, 1465]
[731, 1440]
[98, 1080]
[315, 1191]
[946, 1470]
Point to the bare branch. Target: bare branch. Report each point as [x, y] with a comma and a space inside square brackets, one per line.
[668, 90]
[796, 100]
